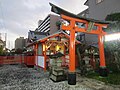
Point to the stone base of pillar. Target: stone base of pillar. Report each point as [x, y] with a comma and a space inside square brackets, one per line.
[103, 71]
[72, 78]
[30, 66]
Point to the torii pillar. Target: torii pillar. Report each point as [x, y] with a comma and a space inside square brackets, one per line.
[72, 72]
[72, 28]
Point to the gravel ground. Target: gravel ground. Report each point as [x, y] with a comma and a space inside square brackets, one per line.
[19, 77]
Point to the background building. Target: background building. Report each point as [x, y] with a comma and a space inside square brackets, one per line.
[39, 22]
[20, 43]
[45, 27]
[48, 25]
[2, 44]
[34, 35]
[3, 40]
[99, 9]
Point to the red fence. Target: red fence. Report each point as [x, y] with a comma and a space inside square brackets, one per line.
[10, 59]
[29, 60]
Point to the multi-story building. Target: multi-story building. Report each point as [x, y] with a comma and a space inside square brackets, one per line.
[99, 9]
[39, 22]
[20, 43]
[45, 27]
[48, 25]
[2, 44]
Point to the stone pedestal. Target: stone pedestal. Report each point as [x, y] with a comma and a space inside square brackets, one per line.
[72, 78]
[57, 74]
[103, 71]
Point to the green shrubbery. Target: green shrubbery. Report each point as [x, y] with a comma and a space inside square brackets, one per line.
[113, 78]
[112, 48]
[113, 17]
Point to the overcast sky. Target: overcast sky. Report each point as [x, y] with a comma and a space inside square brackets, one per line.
[17, 17]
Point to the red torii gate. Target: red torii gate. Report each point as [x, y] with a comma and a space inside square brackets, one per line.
[73, 19]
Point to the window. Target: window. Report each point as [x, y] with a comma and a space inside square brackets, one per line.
[99, 1]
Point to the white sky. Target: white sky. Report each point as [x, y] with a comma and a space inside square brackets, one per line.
[17, 17]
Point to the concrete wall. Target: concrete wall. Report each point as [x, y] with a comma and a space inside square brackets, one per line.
[39, 22]
[53, 20]
[20, 43]
[101, 10]
[91, 38]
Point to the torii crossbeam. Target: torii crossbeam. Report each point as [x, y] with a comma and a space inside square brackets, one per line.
[88, 28]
